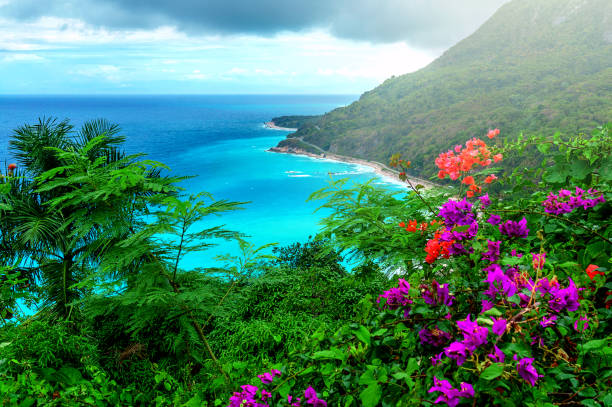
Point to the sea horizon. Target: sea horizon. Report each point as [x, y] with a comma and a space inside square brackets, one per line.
[222, 141]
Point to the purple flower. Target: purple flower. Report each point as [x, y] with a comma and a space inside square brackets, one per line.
[492, 254]
[527, 371]
[494, 220]
[246, 397]
[449, 394]
[513, 253]
[436, 358]
[265, 395]
[537, 339]
[296, 403]
[499, 326]
[566, 298]
[437, 295]
[265, 378]
[457, 213]
[473, 334]
[484, 201]
[511, 228]
[486, 305]
[435, 337]
[497, 355]
[311, 398]
[396, 296]
[457, 351]
[565, 201]
[548, 321]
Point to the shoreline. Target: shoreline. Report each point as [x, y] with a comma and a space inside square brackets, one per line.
[272, 126]
[379, 169]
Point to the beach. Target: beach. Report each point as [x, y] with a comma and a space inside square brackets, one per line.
[380, 169]
[271, 125]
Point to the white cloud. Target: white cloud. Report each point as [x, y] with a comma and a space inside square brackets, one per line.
[23, 58]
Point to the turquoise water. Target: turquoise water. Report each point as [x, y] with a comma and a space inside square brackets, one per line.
[222, 141]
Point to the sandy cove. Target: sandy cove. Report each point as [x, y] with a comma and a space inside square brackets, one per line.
[379, 168]
[271, 125]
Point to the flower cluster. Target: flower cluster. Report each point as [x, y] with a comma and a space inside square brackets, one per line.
[511, 228]
[397, 297]
[252, 396]
[566, 201]
[449, 394]
[437, 294]
[413, 225]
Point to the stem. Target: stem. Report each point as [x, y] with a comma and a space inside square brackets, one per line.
[180, 248]
[416, 191]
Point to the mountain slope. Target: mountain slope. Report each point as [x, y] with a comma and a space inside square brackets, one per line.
[534, 66]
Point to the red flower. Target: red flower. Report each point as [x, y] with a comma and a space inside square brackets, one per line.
[11, 167]
[468, 180]
[591, 271]
[498, 157]
[490, 178]
[402, 225]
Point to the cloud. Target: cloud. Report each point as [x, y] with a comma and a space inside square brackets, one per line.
[420, 23]
[23, 58]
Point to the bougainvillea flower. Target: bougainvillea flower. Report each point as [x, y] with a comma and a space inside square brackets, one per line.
[493, 133]
[548, 321]
[527, 371]
[511, 228]
[12, 167]
[396, 296]
[592, 271]
[566, 298]
[434, 337]
[499, 326]
[311, 398]
[494, 220]
[566, 201]
[449, 394]
[497, 356]
[498, 157]
[457, 213]
[486, 305]
[484, 201]
[457, 351]
[265, 378]
[469, 180]
[473, 334]
[492, 254]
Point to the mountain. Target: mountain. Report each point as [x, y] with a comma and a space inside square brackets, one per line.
[534, 66]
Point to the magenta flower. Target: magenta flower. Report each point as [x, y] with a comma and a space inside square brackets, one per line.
[497, 355]
[435, 337]
[548, 321]
[484, 201]
[494, 220]
[566, 298]
[311, 398]
[492, 254]
[396, 296]
[511, 228]
[473, 334]
[457, 213]
[566, 201]
[457, 351]
[486, 305]
[449, 394]
[499, 326]
[538, 260]
[437, 295]
[527, 371]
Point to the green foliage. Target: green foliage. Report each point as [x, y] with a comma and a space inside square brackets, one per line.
[535, 66]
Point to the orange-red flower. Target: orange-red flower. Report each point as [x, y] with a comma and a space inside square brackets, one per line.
[592, 271]
[11, 167]
[468, 180]
[490, 178]
[498, 157]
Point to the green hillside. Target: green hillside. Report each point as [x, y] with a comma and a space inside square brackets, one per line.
[536, 65]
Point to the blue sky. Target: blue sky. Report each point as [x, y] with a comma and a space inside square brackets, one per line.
[224, 46]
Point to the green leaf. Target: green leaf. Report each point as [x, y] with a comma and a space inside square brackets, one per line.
[597, 344]
[328, 354]
[363, 334]
[371, 395]
[579, 169]
[493, 371]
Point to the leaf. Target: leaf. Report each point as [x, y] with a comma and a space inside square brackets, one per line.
[493, 371]
[579, 169]
[371, 395]
[597, 344]
[328, 354]
[363, 334]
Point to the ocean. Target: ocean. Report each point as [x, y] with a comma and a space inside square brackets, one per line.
[221, 140]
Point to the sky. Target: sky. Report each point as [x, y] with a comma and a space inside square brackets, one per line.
[224, 46]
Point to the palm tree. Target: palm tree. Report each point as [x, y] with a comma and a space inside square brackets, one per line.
[53, 230]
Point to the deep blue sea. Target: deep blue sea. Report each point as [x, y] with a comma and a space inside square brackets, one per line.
[222, 141]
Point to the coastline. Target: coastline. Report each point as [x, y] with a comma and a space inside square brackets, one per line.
[270, 125]
[380, 169]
